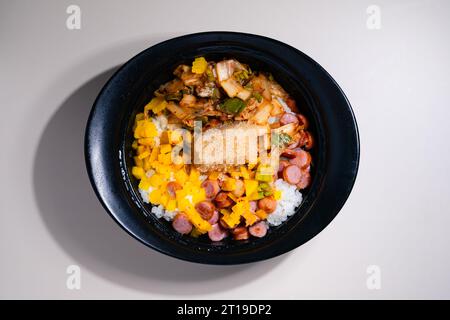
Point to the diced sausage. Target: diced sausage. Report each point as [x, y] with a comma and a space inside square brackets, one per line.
[268, 204]
[303, 159]
[239, 189]
[222, 200]
[217, 233]
[211, 188]
[287, 118]
[182, 224]
[215, 217]
[292, 174]
[305, 180]
[302, 121]
[240, 233]
[258, 230]
[172, 188]
[205, 209]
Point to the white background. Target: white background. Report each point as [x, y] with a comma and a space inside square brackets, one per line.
[397, 217]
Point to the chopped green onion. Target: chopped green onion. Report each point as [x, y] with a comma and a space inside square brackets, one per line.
[210, 75]
[232, 106]
[174, 96]
[257, 96]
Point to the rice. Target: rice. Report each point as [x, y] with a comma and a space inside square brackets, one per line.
[144, 195]
[160, 212]
[290, 199]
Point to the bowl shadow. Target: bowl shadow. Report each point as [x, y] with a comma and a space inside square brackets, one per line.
[79, 224]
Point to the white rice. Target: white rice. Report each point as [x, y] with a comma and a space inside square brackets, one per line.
[290, 199]
[160, 212]
[144, 194]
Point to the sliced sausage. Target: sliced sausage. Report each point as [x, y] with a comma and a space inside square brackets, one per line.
[223, 224]
[288, 153]
[287, 118]
[240, 233]
[302, 159]
[292, 174]
[215, 217]
[309, 143]
[222, 200]
[239, 189]
[258, 230]
[293, 145]
[172, 188]
[205, 209]
[305, 180]
[217, 233]
[281, 165]
[292, 104]
[211, 188]
[268, 204]
[181, 223]
[302, 121]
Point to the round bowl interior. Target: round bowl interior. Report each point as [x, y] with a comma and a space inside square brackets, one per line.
[109, 155]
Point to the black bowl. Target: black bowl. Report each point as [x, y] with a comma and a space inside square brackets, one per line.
[109, 155]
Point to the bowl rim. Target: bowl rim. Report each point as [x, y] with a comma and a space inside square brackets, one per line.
[110, 202]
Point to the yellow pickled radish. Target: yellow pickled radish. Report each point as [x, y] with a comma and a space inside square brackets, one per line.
[138, 172]
[199, 65]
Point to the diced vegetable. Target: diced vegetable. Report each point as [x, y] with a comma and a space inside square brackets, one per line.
[262, 114]
[261, 214]
[277, 195]
[244, 94]
[231, 87]
[265, 189]
[156, 105]
[257, 96]
[224, 69]
[232, 106]
[229, 184]
[165, 148]
[199, 65]
[138, 172]
[174, 96]
[264, 173]
[250, 186]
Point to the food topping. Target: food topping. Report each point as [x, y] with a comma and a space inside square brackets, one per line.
[226, 192]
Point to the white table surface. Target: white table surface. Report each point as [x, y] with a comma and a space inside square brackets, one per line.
[397, 217]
